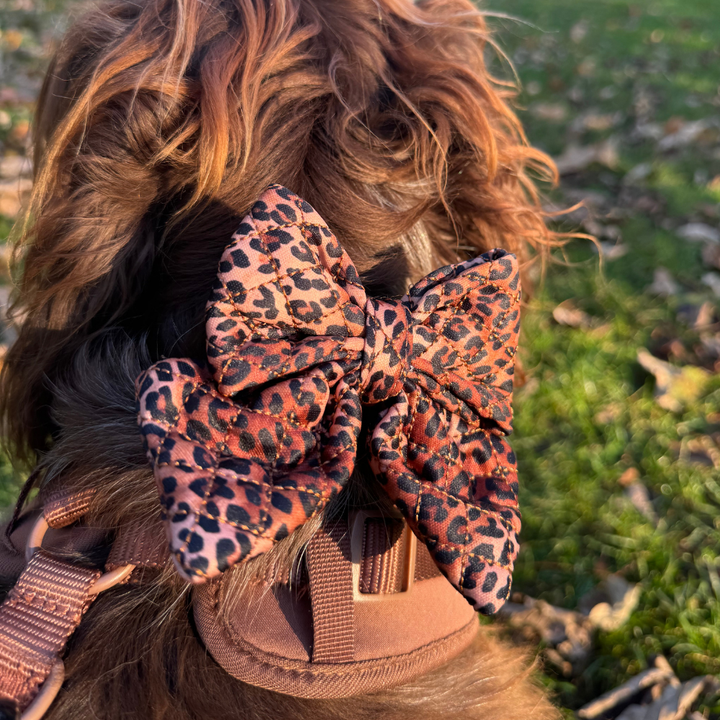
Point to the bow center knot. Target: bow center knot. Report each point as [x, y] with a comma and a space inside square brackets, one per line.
[387, 349]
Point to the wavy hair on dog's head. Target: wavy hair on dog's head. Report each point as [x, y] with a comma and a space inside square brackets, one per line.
[162, 121]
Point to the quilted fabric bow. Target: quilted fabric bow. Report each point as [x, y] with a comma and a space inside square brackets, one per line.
[249, 448]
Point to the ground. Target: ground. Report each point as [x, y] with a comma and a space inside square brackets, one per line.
[618, 422]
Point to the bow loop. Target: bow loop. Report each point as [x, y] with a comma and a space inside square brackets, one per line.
[387, 349]
[250, 448]
[465, 333]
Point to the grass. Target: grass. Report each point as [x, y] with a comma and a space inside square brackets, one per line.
[588, 413]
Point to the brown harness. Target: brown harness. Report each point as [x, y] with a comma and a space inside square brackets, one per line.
[368, 610]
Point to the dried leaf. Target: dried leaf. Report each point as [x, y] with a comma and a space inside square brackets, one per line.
[567, 314]
[663, 283]
[610, 605]
[627, 691]
[15, 166]
[699, 232]
[712, 280]
[686, 134]
[13, 195]
[609, 414]
[701, 450]
[675, 387]
[569, 632]
[639, 496]
[629, 476]
[674, 703]
[554, 112]
[577, 158]
[579, 30]
[699, 317]
[613, 251]
[711, 255]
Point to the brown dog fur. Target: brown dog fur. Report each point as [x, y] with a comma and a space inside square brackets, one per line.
[159, 124]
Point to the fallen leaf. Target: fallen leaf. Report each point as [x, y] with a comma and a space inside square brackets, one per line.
[587, 67]
[672, 349]
[579, 157]
[675, 387]
[609, 414]
[673, 125]
[602, 122]
[567, 314]
[12, 39]
[576, 94]
[699, 317]
[597, 122]
[638, 173]
[610, 605]
[15, 166]
[552, 656]
[629, 476]
[674, 702]
[699, 232]
[570, 633]
[554, 112]
[639, 496]
[685, 135]
[663, 283]
[657, 36]
[613, 251]
[13, 195]
[600, 331]
[712, 280]
[702, 450]
[579, 30]
[20, 131]
[660, 674]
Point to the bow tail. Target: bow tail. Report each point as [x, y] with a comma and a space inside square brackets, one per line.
[236, 479]
[456, 485]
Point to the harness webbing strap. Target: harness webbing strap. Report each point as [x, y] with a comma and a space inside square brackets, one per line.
[36, 620]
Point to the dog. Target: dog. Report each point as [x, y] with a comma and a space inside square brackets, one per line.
[159, 126]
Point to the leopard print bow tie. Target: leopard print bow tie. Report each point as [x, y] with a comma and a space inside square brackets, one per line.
[250, 448]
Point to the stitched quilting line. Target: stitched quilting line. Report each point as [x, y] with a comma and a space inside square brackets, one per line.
[267, 487]
[492, 335]
[231, 423]
[484, 401]
[335, 276]
[466, 503]
[301, 225]
[338, 276]
[231, 298]
[204, 388]
[278, 282]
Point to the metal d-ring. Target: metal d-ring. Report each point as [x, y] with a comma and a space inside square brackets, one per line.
[47, 694]
[104, 582]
